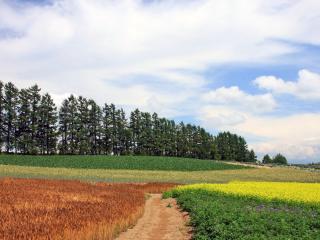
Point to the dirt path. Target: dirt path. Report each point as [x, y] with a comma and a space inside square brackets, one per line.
[161, 221]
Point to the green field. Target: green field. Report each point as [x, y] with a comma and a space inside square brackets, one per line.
[215, 215]
[144, 169]
[114, 175]
[117, 162]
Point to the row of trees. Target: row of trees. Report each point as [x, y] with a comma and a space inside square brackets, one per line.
[30, 123]
[277, 159]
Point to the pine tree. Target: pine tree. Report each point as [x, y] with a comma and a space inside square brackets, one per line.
[135, 127]
[231, 147]
[83, 120]
[106, 130]
[205, 145]
[72, 141]
[24, 141]
[146, 133]
[2, 130]
[114, 138]
[68, 126]
[242, 149]
[47, 126]
[124, 135]
[10, 116]
[35, 97]
[251, 156]
[64, 127]
[94, 127]
[156, 135]
[280, 159]
[266, 159]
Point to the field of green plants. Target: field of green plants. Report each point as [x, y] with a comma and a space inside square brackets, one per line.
[252, 210]
[116, 162]
[278, 174]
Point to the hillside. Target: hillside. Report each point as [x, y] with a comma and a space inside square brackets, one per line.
[117, 162]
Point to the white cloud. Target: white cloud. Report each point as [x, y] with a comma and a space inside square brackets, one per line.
[296, 136]
[236, 98]
[72, 40]
[215, 117]
[307, 86]
[296, 153]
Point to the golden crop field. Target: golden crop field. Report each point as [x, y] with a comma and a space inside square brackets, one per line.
[296, 192]
[51, 209]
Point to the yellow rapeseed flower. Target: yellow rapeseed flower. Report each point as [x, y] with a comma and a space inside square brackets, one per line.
[297, 192]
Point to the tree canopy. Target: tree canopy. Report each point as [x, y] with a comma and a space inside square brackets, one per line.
[31, 123]
[266, 159]
[280, 159]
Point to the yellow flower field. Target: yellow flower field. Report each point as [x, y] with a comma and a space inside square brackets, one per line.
[297, 192]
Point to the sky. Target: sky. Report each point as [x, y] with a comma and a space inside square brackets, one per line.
[251, 67]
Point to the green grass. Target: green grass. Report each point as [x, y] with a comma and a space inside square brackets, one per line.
[117, 162]
[220, 216]
[116, 175]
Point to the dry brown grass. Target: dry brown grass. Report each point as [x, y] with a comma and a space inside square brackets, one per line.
[51, 209]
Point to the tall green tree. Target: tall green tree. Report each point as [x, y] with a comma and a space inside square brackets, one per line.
[64, 127]
[106, 132]
[73, 125]
[82, 123]
[10, 116]
[2, 129]
[252, 156]
[47, 125]
[114, 138]
[156, 135]
[280, 159]
[94, 127]
[136, 129]
[266, 159]
[24, 141]
[231, 147]
[242, 149]
[146, 133]
[35, 97]
[68, 126]
[123, 133]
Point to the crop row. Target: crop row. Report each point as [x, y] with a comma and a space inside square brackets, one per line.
[283, 191]
[116, 162]
[251, 210]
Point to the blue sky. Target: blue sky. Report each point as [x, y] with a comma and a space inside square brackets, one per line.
[251, 67]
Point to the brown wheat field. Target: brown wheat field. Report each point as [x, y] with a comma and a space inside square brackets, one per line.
[56, 209]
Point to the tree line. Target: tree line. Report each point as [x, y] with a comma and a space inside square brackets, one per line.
[31, 123]
[277, 159]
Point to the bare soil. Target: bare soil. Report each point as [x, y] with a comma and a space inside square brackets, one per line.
[162, 220]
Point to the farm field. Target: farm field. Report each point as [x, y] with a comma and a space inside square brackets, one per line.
[252, 210]
[117, 162]
[115, 175]
[101, 206]
[46, 209]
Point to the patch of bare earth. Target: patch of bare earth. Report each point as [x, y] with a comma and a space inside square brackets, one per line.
[162, 220]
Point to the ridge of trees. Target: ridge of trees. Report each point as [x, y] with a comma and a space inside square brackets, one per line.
[277, 159]
[31, 123]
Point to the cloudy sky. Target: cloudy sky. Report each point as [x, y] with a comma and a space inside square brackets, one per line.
[248, 66]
